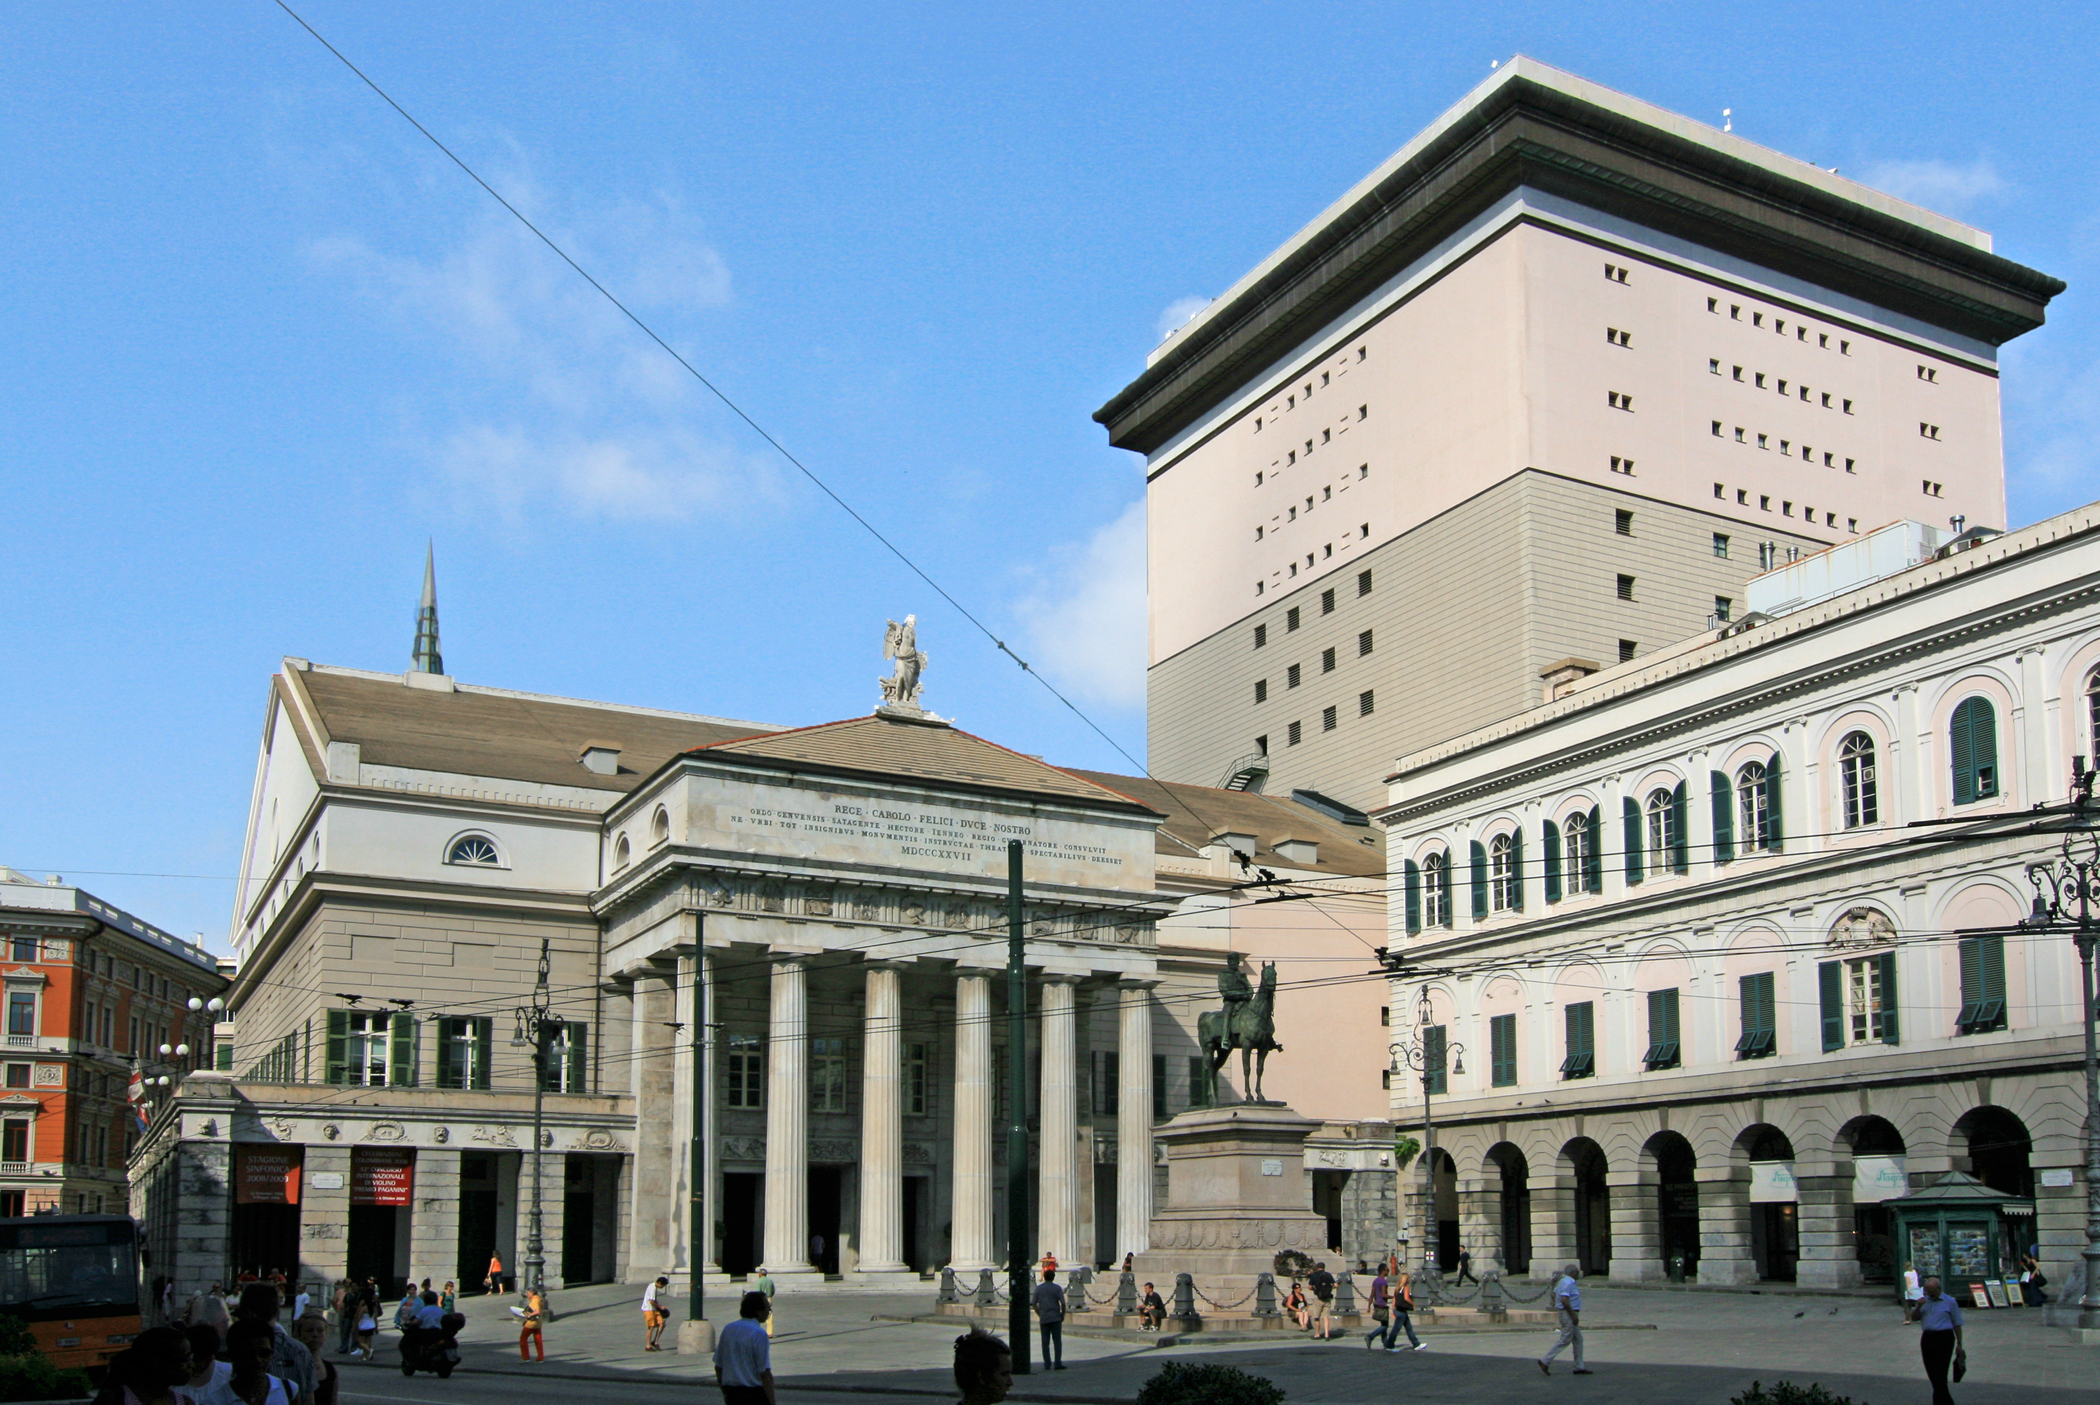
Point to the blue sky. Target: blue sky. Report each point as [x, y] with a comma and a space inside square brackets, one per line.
[262, 341]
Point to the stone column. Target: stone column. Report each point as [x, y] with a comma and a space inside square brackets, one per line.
[1057, 1198]
[1724, 1225]
[971, 1243]
[787, 1122]
[1134, 1116]
[882, 1125]
[653, 1071]
[433, 1231]
[1829, 1257]
[1636, 1227]
[1552, 1224]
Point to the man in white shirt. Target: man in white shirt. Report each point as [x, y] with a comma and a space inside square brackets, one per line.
[653, 1314]
[1567, 1297]
[743, 1356]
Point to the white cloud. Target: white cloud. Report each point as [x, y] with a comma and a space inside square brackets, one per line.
[1086, 621]
[560, 401]
[1936, 185]
[1178, 313]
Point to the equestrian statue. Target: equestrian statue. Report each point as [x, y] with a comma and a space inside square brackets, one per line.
[1247, 1023]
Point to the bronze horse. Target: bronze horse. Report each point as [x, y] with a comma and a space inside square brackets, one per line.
[1252, 1032]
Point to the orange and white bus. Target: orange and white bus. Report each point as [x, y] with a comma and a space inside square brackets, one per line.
[75, 1280]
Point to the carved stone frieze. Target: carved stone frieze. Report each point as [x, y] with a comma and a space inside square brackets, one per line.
[1862, 927]
[386, 1132]
[494, 1136]
[743, 1148]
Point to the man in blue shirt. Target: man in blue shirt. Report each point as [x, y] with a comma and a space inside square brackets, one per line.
[1940, 1318]
[743, 1356]
[1567, 1297]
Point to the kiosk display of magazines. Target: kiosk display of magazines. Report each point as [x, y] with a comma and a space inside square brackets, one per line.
[1962, 1231]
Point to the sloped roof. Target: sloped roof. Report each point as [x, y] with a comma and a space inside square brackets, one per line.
[932, 752]
[491, 732]
[1196, 812]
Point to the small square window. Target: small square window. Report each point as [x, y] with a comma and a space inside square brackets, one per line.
[1739, 435]
[1757, 319]
[1363, 532]
[1363, 643]
[1296, 734]
[1363, 470]
[1720, 490]
[1722, 606]
[1848, 407]
[1326, 719]
[1717, 429]
[1362, 352]
[1764, 503]
[1713, 364]
[1257, 533]
[1261, 744]
[1327, 660]
[1626, 650]
[1735, 312]
[1363, 412]
[1327, 601]
[1738, 372]
[1851, 524]
[1780, 387]
[1844, 348]
[1261, 635]
[1849, 466]
[1713, 304]
[1826, 399]
[1621, 465]
[1626, 587]
[1742, 497]
[1290, 676]
[1366, 704]
[1761, 442]
[1623, 523]
[1721, 545]
[1759, 378]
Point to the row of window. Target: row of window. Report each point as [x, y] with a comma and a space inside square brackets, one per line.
[1330, 720]
[1779, 383]
[1326, 553]
[384, 1048]
[1856, 1006]
[1747, 815]
[1292, 675]
[1786, 447]
[1293, 619]
[1291, 399]
[1779, 325]
[1786, 506]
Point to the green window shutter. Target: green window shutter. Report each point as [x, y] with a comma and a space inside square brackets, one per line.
[1887, 962]
[579, 1062]
[1414, 897]
[1480, 880]
[1502, 1046]
[1724, 816]
[1663, 1050]
[1516, 870]
[448, 1052]
[1681, 842]
[484, 1046]
[401, 1054]
[1580, 1060]
[1830, 981]
[1971, 982]
[1630, 827]
[338, 1046]
[1961, 753]
[1774, 790]
[1433, 1046]
[1595, 862]
[1552, 847]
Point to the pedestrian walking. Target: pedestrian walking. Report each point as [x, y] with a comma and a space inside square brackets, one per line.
[653, 1316]
[1403, 1303]
[367, 1315]
[206, 1370]
[984, 1367]
[529, 1325]
[311, 1328]
[1322, 1284]
[1913, 1292]
[1152, 1313]
[254, 1378]
[260, 1303]
[1465, 1268]
[1939, 1339]
[1567, 1298]
[343, 1302]
[744, 1356]
[2032, 1282]
[764, 1284]
[494, 1282]
[1049, 1303]
[1381, 1315]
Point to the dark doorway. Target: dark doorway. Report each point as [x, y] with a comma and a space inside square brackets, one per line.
[1775, 1226]
[1592, 1207]
[915, 1197]
[579, 1218]
[1445, 1182]
[742, 1231]
[1677, 1200]
[373, 1230]
[1327, 1203]
[1873, 1227]
[266, 1237]
[824, 1188]
[1999, 1148]
[477, 1218]
[1516, 1210]
[1104, 1213]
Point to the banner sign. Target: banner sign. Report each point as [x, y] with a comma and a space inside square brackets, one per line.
[1879, 1178]
[1772, 1183]
[266, 1175]
[382, 1175]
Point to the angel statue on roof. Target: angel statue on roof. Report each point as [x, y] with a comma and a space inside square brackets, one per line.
[901, 643]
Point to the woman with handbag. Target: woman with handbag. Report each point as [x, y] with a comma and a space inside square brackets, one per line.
[1403, 1315]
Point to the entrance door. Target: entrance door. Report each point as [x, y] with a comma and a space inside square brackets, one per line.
[371, 1246]
[578, 1218]
[1775, 1241]
[743, 1235]
[915, 1188]
[825, 1183]
[1104, 1214]
[477, 1218]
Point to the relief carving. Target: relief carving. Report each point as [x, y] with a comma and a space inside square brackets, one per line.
[598, 1139]
[279, 1127]
[915, 913]
[743, 1149]
[833, 1151]
[386, 1132]
[1863, 926]
[1333, 1156]
[956, 917]
[772, 901]
[817, 906]
[494, 1136]
[720, 895]
[866, 911]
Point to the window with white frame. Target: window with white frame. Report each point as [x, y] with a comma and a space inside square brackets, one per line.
[474, 849]
[1753, 798]
[827, 1075]
[1581, 845]
[1436, 890]
[1862, 795]
[1661, 831]
[1866, 1002]
[364, 1050]
[1502, 884]
[745, 1069]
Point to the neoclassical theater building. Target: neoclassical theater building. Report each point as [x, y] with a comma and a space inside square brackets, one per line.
[420, 847]
[1729, 934]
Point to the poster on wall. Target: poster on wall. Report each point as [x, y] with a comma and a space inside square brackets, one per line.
[1879, 1178]
[382, 1176]
[1772, 1183]
[266, 1175]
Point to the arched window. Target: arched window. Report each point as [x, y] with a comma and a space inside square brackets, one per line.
[1972, 746]
[474, 849]
[2092, 716]
[621, 853]
[1662, 831]
[659, 827]
[1436, 890]
[1856, 776]
[1753, 803]
[1582, 852]
[1501, 874]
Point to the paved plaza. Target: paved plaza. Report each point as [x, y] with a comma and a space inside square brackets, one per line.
[1696, 1347]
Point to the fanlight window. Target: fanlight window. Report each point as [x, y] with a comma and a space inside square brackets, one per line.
[1502, 879]
[1856, 775]
[1753, 796]
[1436, 891]
[474, 849]
[1662, 831]
[1581, 846]
[621, 852]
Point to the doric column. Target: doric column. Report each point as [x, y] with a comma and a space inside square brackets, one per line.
[882, 1124]
[1057, 1191]
[1134, 1116]
[787, 1121]
[971, 1242]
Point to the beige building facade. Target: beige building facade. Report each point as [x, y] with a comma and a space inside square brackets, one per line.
[1555, 311]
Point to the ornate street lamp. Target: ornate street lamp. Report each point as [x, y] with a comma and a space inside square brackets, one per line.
[534, 1027]
[2065, 894]
[1427, 1057]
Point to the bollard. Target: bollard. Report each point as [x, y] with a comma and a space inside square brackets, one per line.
[1126, 1294]
[1265, 1295]
[1345, 1294]
[1185, 1297]
[947, 1284]
[987, 1292]
[1075, 1291]
[1492, 1301]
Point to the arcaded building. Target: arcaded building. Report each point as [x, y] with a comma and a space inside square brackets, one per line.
[1537, 396]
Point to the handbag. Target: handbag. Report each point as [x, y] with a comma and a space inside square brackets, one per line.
[1961, 1364]
[1378, 1314]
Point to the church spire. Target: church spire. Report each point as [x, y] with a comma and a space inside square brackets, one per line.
[427, 659]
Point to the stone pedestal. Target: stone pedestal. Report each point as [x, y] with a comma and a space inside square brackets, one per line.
[1237, 1195]
[696, 1338]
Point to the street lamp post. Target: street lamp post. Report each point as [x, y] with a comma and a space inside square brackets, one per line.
[1426, 1056]
[2073, 881]
[533, 1020]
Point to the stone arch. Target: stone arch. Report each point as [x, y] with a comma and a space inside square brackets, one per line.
[1879, 1174]
[1588, 1237]
[2000, 1149]
[1765, 1155]
[1508, 1174]
[1669, 1158]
